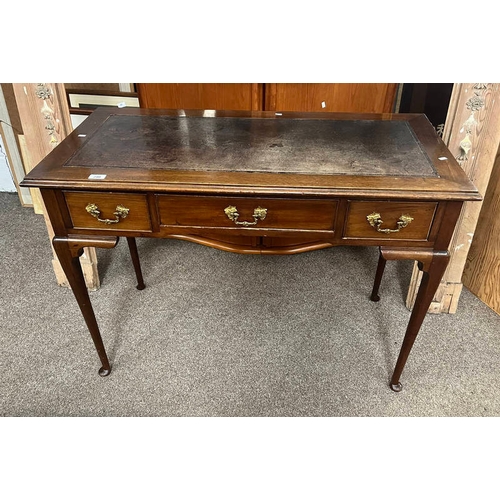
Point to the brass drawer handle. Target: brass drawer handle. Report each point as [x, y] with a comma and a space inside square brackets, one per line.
[258, 214]
[120, 213]
[375, 221]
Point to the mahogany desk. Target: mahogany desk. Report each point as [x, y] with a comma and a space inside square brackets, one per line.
[258, 182]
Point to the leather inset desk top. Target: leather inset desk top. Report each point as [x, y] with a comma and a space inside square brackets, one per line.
[306, 146]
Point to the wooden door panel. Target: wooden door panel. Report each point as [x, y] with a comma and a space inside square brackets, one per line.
[229, 96]
[482, 268]
[337, 97]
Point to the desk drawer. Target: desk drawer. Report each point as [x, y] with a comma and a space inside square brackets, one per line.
[258, 213]
[108, 211]
[389, 220]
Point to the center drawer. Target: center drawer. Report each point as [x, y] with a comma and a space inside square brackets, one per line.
[242, 212]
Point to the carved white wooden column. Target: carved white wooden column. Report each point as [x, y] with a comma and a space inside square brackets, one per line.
[46, 121]
[472, 133]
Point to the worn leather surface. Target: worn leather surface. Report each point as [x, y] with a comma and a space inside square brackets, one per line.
[299, 146]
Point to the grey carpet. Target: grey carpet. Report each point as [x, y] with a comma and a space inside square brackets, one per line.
[221, 334]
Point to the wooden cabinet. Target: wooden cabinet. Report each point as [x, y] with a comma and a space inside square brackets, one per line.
[322, 97]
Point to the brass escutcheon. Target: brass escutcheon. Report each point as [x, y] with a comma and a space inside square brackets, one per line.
[375, 221]
[258, 214]
[120, 213]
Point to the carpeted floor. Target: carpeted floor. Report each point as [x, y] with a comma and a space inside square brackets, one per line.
[221, 334]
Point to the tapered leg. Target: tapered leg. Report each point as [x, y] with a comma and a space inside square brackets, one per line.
[68, 251]
[432, 274]
[137, 265]
[378, 278]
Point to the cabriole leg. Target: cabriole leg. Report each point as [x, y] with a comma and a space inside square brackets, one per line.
[68, 250]
[135, 260]
[378, 278]
[432, 274]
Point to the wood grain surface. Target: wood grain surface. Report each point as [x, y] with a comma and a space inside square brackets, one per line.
[138, 218]
[474, 119]
[320, 97]
[46, 122]
[357, 225]
[482, 268]
[235, 96]
[208, 211]
[331, 97]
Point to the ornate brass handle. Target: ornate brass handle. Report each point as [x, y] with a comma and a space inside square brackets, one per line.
[375, 221]
[258, 214]
[120, 213]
